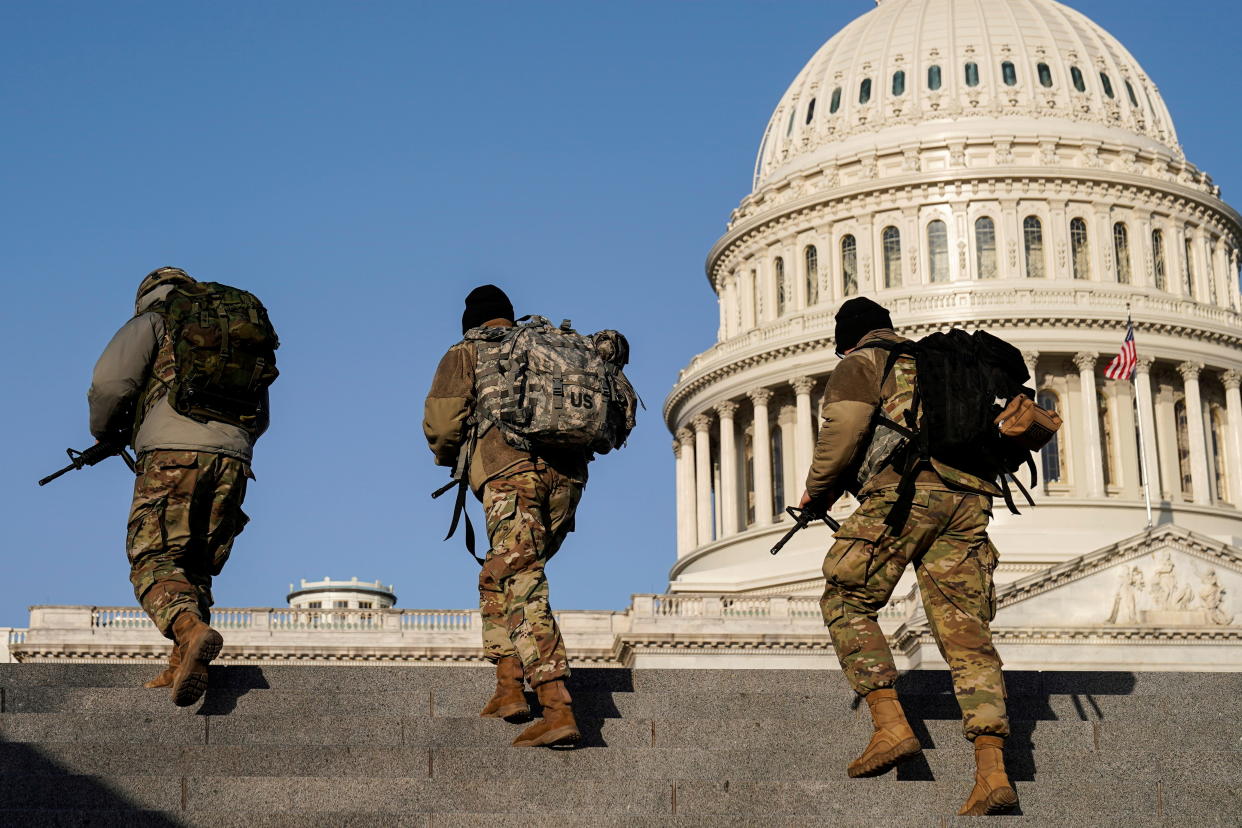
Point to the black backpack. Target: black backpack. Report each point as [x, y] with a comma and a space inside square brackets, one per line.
[962, 383]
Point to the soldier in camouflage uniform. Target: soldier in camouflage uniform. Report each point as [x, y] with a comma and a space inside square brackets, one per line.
[529, 499]
[945, 538]
[188, 495]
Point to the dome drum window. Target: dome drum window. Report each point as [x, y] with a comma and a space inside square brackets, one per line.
[1157, 259]
[933, 78]
[892, 256]
[811, 257]
[864, 91]
[972, 74]
[1080, 252]
[938, 251]
[1121, 249]
[1009, 74]
[1130, 94]
[789, 127]
[781, 290]
[835, 103]
[1033, 244]
[985, 247]
[1045, 75]
[810, 110]
[899, 83]
[849, 266]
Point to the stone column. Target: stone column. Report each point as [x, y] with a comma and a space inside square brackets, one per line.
[1147, 424]
[703, 476]
[722, 303]
[747, 292]
[1094, 472]
[687, 521]
[804, 437]
[728, 468]
[1232, 379]
[1194, 430]
[763, 457]
[1031, 358]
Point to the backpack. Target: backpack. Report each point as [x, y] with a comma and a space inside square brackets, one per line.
[223, 354]
[553, 387]
[970, 410]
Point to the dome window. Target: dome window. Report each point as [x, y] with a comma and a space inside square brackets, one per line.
[782, 293]
[789, 127]
[1076, 77]
[1121, 248]
[835, 103]
[1133, 98]
[849, 266]
[1050, 454]
[864, 91]
[972, 74]
[1009, 74]
[938, 251]
[810, 110]
[811, 256]
[1108, 85]
[1157, 259]
[1045, 75]
[933, 78]
[1033, 242]
[1080, 251]
[1188, 270]
[899, 83]
[891, 238]
[985, 247]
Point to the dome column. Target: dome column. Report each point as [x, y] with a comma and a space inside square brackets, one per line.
[703, 476]
[687, 526]
[1085, 361]
[1149, 460]
[728, 468]
[1195, 432]
[759, 398]
[804, 437]
[1232, 379]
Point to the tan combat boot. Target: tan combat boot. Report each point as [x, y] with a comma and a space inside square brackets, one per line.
[557, 727]
[165, 679]
[893, 741]
[199, 645]
[992, 793]
[508, 702]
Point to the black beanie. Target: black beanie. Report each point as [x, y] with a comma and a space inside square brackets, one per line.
[857, 318]
[485, 303]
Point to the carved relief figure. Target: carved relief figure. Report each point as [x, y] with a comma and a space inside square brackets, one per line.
[1125, 610]
[1166, 592]
[1213, 596]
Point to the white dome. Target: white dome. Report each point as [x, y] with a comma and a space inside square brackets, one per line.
[1039, 68]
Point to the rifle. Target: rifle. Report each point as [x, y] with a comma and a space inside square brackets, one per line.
[97, 453]
[802, 519]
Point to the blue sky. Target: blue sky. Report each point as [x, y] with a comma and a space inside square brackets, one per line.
[361, 166]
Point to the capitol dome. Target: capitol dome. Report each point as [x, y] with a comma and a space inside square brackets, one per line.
[912, 70]
[996, 164]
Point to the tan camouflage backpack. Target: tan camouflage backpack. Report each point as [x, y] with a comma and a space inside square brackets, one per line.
[548, 386]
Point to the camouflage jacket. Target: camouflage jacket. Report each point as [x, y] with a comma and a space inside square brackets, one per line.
[856, 389]
[127, 368]
[447, 424]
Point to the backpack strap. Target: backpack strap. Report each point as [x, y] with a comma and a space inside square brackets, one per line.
[914, 457]
[460, 479]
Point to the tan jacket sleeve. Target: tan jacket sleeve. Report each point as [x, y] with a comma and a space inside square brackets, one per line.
[449, 404]
[850, 401]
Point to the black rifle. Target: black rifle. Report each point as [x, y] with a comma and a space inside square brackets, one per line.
[97, 453]
[802, 519]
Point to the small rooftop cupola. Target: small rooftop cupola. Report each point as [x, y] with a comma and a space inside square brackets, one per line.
[351, 594]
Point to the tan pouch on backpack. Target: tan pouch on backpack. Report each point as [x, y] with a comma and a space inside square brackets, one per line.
[1027, 424]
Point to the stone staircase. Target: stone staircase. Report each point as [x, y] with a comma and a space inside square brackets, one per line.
[84, 744]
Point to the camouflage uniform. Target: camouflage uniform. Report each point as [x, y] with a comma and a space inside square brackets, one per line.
[185, 514]
[945, 538]
[528, 514]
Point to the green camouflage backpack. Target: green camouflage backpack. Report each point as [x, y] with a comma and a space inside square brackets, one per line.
[218, 356]
[547, 386]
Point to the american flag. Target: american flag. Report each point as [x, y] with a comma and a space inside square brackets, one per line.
[1122, 366]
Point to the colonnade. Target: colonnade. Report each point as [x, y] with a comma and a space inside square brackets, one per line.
[713, 480]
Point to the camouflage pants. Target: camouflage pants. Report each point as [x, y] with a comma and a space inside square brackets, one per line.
[528, 516]
[185, 514]
[946, 539]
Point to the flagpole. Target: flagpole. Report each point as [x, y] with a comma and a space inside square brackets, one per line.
[1142, 440]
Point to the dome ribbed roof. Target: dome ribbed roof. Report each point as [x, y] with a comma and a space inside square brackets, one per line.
[1005, 67]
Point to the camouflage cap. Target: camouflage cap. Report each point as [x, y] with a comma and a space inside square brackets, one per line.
[159, 277]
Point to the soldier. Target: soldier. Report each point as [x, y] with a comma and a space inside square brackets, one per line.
[529, 498]
[192, 477]
[944, 537]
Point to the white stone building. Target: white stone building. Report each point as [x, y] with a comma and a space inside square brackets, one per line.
[998, 164]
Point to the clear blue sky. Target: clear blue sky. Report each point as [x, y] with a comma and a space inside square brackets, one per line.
[361, 166]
